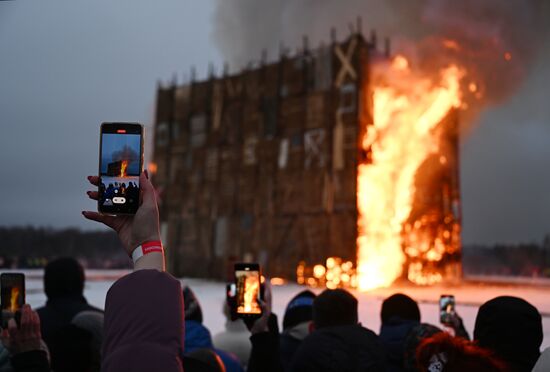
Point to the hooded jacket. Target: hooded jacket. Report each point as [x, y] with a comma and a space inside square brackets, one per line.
[340, 348]
[143, 323]
[235, 339]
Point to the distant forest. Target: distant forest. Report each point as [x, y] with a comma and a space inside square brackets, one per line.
[28, 247]
[527, 259]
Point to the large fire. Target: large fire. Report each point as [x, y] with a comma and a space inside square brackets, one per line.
[407, 107]
[251, 288]
[14, 296]
[123, 167]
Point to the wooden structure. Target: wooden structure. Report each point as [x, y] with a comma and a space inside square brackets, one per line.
[262, 165]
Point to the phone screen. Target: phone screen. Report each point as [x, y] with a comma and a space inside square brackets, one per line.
[446, 308]
[12, 292]
[120, 164]
[248, 289]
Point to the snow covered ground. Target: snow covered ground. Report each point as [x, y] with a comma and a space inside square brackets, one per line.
[469, 297]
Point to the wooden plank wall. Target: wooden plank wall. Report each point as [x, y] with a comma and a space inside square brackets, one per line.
[262, 165]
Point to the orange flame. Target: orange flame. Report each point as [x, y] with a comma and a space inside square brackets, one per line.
[123, 167]
[251, 288]
[13, 299]
[451, 44]
[407, 108]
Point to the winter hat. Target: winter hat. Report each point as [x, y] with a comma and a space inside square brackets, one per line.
[414, 338]
[512, 328]
[299, 309]
[399, 305]
[192, 307]
[334, 307]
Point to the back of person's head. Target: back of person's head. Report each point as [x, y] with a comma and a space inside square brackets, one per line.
[443, 352]
[203, 360]
[416, 335]
[512, 328]
[92, 321]
[399, 306]
[334, 307]
[143, 323]
[71, 350]
[192, 306]
[299, 309]
[63, 277]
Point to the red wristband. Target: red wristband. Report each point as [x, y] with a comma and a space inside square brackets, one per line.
[146, 248]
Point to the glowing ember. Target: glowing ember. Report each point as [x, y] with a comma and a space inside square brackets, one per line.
[400, 63]
[13, 299]
[123, 167]
[152, 168]
[277, 281]
[300, 273]
[334, 274]
[407, 108]
[451, 44]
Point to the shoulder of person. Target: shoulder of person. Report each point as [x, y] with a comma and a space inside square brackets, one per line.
[543, 363]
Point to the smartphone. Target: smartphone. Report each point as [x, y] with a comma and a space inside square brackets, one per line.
[120, 164]
[446, 308]
[12, 295]
[247, 285]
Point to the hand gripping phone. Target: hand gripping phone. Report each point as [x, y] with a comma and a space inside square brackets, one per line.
[446, 308]
[120, 164]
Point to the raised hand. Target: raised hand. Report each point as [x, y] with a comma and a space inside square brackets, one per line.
[25, 338]
[137, 229]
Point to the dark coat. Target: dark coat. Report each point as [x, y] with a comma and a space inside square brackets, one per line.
[288, 347]
[265, 355]
[59, 312]
[342, 348]
[143, 323]
[393, 335]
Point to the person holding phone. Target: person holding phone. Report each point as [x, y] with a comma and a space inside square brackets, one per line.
[449, 318]
[143, 310]
[24, 342]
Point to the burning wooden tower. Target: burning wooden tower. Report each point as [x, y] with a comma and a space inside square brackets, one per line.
[274, 164]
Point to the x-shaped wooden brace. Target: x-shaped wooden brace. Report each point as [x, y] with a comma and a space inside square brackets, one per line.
[313, 143]
[346, 68]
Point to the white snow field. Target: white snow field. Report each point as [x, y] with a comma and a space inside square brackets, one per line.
[211, 294]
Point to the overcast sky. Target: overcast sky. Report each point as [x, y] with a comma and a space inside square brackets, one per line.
[66, 66]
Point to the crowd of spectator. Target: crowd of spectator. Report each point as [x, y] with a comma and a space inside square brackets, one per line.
[151, 323]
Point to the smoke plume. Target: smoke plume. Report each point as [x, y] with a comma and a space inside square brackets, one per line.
[495, 41]
[125, 153]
